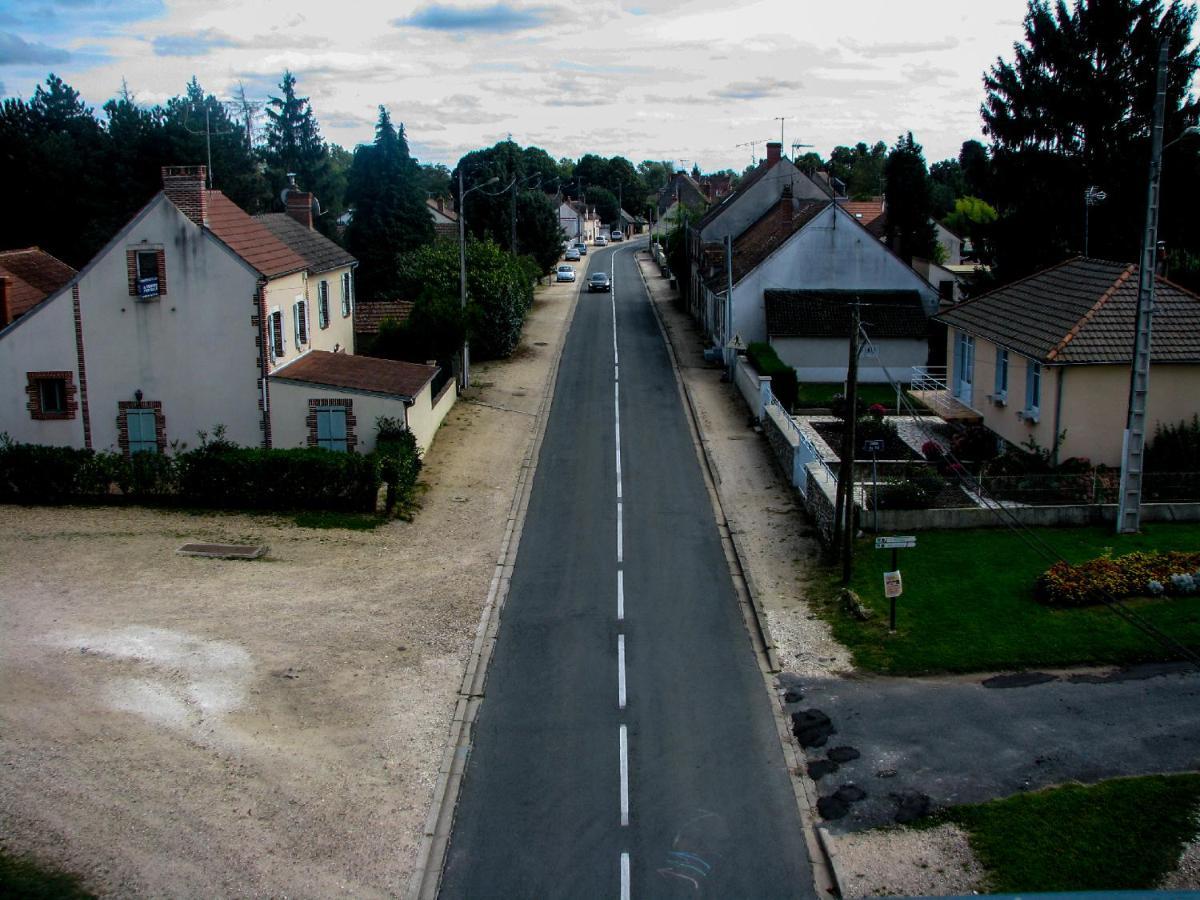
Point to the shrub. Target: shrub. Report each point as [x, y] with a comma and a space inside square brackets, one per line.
[903, 495]
[30, 473]
[1130, 575]
[783, 377]
[399, 459]
[839, 406]
[245, 478]
[873, 428]
[974, 442]
[1175, 448]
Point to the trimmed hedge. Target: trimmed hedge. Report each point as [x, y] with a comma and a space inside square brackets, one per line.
[310, 478]
[1130, 575]
[783, 377]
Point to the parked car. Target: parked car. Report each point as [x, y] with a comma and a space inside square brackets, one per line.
[572, 254]
[582, 248]
[601, 241]
[599, 281]
[618, 235]
[565, 273]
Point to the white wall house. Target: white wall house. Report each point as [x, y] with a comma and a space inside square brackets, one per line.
[176, 326]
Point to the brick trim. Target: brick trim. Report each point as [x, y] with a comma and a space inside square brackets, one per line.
[160, 423]
[263, 386]
[311, 421]
[161, 268]
[81, 364]
[33, 389]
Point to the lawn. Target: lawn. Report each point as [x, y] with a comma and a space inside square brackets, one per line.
[1124, 834]
[968, 604]
[813, 395]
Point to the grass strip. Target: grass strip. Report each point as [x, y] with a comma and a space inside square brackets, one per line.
[1123, 834]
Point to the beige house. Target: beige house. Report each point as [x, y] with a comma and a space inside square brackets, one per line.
[1049, 357]
[178, 324]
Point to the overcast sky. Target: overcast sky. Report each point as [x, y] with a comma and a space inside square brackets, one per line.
[646, 79]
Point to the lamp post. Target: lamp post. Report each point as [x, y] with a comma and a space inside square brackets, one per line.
[1133, 461]
[465, 375]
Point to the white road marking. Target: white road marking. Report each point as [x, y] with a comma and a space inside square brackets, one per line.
[621, 670]
[624, 876]
[620, 595]
[624, 778]
[620, 537]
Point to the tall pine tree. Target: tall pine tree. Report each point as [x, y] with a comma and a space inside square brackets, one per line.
[294, 145]
[908, 204]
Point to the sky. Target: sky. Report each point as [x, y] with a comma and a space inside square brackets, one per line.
[692, 81]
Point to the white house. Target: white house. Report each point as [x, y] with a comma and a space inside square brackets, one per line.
[179, 324]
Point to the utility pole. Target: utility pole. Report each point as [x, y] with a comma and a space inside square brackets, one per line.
[729, 351]
[465, 375]
[1129, 504]
[845, 491]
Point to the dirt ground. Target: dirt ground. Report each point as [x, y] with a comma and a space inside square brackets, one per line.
[188, 727]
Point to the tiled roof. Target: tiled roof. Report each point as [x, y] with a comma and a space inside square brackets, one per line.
[369, 314]
[1082, 311]
[826, 314]
[744, 185]
[321, 254]
[868, 213]
[359, 373]
[33, 274]
[446, 212]
[770, 232]
[251, 239]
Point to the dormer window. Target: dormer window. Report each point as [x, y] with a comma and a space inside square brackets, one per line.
[147, 272]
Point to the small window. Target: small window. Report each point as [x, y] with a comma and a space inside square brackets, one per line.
[1033, 386]
[1001, 374]
[331, 428]
[300, 321]
[51, 395]
[141, 425]
[346, 299]
[946, 290]
[323, 304]
[277, 340]
[146, 271]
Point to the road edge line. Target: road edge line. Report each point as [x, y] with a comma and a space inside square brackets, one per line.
[426, 877]
[822, 861]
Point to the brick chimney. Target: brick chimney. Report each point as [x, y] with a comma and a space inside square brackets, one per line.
[299, 207]
[441, 204]
[774, 151]
[185, 186]
[6, 315]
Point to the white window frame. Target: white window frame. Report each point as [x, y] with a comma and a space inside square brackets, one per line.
[347, 294]
[277, 335]
[1001, 395]
[300, 321]
[323, 304]
[1033, 388]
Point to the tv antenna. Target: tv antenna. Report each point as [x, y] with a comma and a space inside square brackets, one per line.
[753, 145]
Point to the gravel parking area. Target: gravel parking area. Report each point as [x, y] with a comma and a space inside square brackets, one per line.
[186, 727]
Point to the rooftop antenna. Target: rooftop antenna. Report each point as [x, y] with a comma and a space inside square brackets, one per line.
[781, 120]
[796, 145]
[753, 145]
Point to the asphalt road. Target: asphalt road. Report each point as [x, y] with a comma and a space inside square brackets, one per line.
[625, 746]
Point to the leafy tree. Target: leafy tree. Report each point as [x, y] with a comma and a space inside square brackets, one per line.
[859, 168]
[433, 330]
[655, 174]
[435, 180]
[1072, 109]
[811, 163]
[973, 218]
[390, 214]
[976, 168]
[946, 184]
[606, 204]
[908, 227]
[294, 145]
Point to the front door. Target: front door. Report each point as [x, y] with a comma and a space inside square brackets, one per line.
[964, 368]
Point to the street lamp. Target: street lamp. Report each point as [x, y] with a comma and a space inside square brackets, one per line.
[465, 377]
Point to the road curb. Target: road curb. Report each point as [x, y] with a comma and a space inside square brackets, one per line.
[819, 845]
[431, 856]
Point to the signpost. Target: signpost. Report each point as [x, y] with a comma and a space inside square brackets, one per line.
[893, 585]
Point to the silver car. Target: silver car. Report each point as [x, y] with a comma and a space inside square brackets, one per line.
[565, 273]
[572, 254]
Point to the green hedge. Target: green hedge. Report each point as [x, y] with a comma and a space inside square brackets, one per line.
[783, 377]
[311, 478]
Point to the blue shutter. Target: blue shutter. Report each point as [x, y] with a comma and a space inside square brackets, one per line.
[331, 429]
[140, 425]
[323, 428]
[133, 424]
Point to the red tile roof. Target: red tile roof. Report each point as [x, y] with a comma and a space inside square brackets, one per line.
[369, 314]
[868, 213]
[251, 239]
[770, 232]
[1082, 311]
[358, 373]
[33, 275]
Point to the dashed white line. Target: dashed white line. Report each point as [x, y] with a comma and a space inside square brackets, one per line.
[624, 778]
[620, 595]
[624, 876]
[621, 671]
[620, 538]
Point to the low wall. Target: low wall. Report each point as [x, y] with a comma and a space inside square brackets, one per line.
[751, 385]
[783, 442]
[897, 520]
[820, 498]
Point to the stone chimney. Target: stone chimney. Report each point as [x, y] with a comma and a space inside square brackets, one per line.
[6, 315]
[299, 207]
[774, 151]
[185, 186]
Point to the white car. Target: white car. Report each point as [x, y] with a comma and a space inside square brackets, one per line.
[572, 254]
[601, 241]
[618, 235]
[565, 273]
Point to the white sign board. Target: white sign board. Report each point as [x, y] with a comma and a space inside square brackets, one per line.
[896, 542]
[892, 585]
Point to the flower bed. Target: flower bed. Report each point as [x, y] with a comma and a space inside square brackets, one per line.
[1137, 574]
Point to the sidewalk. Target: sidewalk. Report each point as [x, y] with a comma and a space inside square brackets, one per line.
[776, 541]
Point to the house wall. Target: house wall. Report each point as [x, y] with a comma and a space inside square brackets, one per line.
[193, 349]
[281, 294]
[43, 340]
[748, 207]
[824, 359]
[290, 410]
[340, 333]
[950, 242]
[831, 252]
[427, 411]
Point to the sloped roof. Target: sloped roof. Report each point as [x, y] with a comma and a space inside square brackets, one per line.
[33, 274]
[319, 252]
[446, 212]
[251, 239]
[1082, 311]
[826, 313]
[771, 231]
[358, 373]
[369, 314]
[868, 213]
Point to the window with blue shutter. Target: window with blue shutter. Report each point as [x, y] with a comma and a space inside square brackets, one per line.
[1001, 374]
[323, 304]
[141, 425]
[345, 294]
[1033, 386]
[331, 428]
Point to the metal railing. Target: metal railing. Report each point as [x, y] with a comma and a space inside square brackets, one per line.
[805, 445]
[930, 378]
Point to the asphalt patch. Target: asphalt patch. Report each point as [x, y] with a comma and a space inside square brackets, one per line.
[819, 768]
[910, 806]
[812, 727]
[843, 754]
[792, 696]
[1019, 680]
[850, 793]
[1134, 673]
[832, 808]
